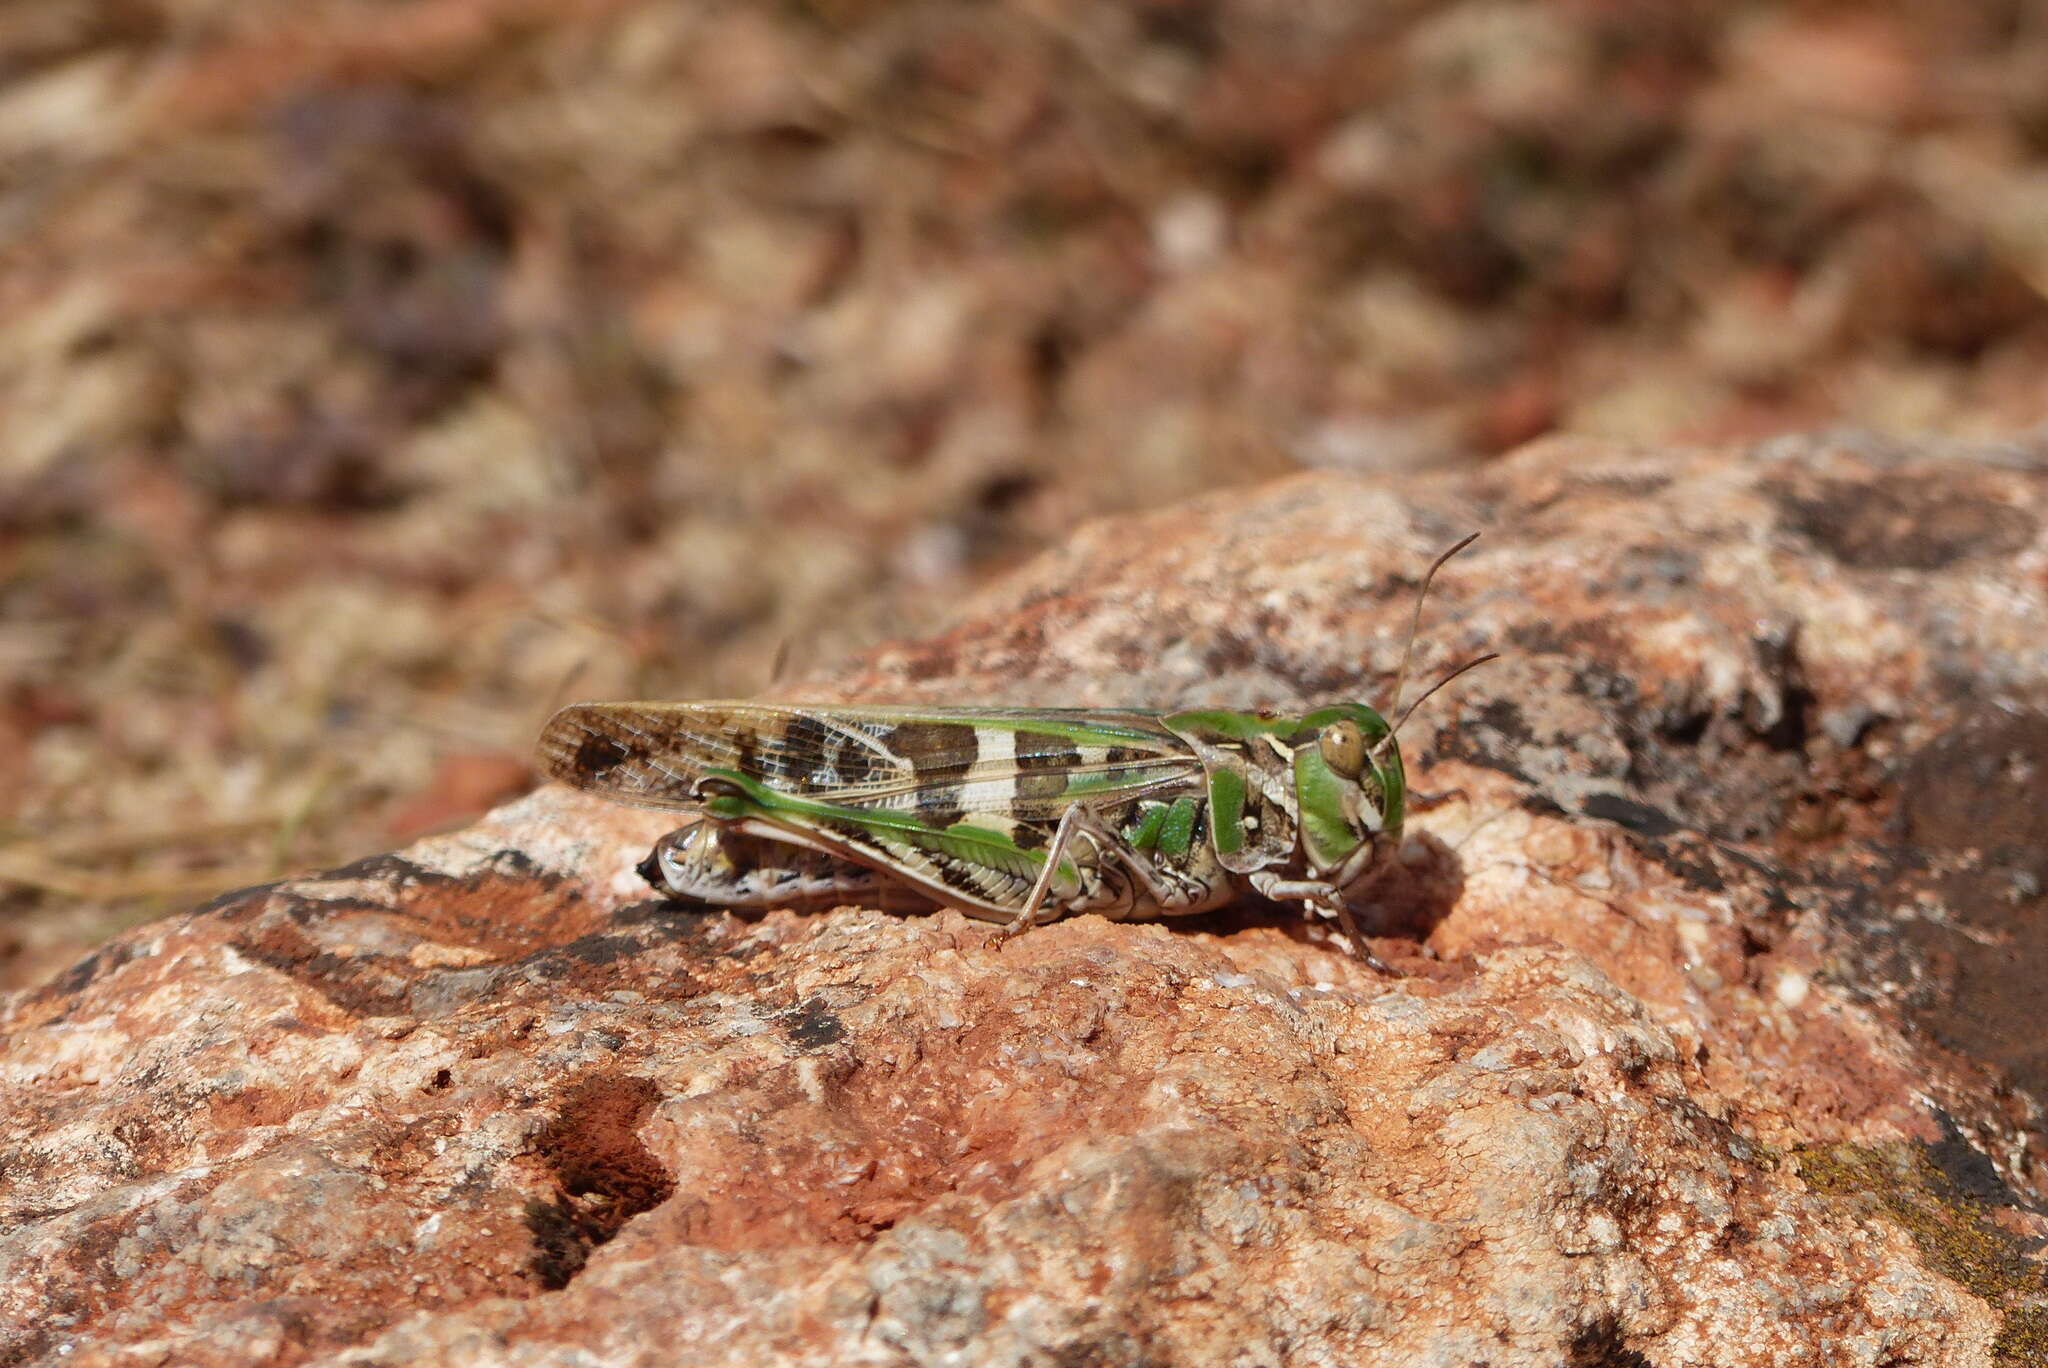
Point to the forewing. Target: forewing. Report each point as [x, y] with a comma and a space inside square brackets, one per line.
[935, 763]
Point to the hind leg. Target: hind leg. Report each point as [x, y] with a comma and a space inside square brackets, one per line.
[712, 863]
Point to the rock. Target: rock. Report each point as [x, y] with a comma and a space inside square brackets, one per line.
[1713, 1046]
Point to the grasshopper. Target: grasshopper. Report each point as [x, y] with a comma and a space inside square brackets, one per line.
[1016, 815]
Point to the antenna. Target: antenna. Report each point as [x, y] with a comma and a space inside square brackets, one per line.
[1468, 665]
[1415, 625]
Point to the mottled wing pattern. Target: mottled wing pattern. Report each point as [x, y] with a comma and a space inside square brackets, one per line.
[935, 764]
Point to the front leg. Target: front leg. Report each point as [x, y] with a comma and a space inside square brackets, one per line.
[1318, 894]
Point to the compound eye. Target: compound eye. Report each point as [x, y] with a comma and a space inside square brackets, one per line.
[1343, 747]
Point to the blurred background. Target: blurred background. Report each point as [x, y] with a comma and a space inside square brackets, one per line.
[376, 373]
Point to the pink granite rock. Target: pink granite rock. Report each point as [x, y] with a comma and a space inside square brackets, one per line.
[1732, 887]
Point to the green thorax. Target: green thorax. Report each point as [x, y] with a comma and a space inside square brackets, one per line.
[1274, 795]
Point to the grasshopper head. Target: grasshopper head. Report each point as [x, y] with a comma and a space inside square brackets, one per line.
[1349, 783]
[1352, 791]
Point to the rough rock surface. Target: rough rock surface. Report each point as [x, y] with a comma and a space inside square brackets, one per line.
[1713, 1047]
[368, 367]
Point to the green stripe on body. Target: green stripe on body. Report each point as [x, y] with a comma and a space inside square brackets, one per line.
[1226, 810]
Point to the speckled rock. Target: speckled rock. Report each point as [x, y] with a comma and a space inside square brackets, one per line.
[1718, 932]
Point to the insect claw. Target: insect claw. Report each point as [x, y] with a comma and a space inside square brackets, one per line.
[1007, 932]
[1378, 965]
[1359, 946]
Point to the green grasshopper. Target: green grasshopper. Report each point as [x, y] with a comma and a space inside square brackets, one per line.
[1017, 815]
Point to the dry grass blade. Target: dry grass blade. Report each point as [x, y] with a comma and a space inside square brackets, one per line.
[29, 871]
